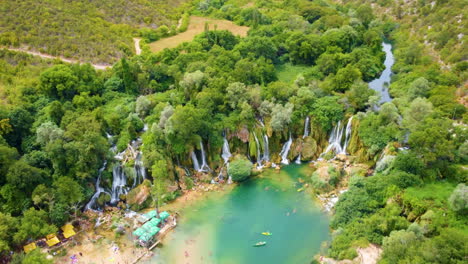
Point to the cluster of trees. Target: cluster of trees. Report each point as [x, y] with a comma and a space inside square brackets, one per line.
[91, 31]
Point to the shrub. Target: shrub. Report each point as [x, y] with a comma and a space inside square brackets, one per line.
[240, 169]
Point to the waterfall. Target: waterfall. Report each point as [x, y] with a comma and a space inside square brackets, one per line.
[306, 127]
[118, 183]
[92, 203]
[285, 150]
[349, 127]
[259, 158]
[204, 165]
[140, 171]
[298, 159]
[334, 142]
[196, 166]
[226, 153]
[266, 149]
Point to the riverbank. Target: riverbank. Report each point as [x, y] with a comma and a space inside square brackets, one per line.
[99, 242]
[102, 244]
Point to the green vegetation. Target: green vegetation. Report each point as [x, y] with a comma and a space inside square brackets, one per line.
[288, 73]
[91, 31]
[299, 59]
[240, 169]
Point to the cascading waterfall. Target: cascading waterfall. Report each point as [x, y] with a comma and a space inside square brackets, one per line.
[266, 149]
[196, 165]
[349, 127]
[140, 171]
[226, 152]
[91, 205]
[336, 137]
[285, 151]
[259, 155]
[204, 166]
[306, 127]
[334, 142]
[298, 159]
[118, 184]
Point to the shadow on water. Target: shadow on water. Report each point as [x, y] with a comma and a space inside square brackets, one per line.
[223, 229]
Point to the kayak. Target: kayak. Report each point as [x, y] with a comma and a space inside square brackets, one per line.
[259, 244]
[267, 233]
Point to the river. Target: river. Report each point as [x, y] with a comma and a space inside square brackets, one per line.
[222, 227]
[380, 85]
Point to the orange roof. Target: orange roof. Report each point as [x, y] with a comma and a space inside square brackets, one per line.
[29, 247]
[52, 241]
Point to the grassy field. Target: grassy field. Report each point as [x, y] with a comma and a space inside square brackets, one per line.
[288, 72]
[197, 26]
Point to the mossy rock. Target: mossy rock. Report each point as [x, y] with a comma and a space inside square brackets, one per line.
[296, 148]
[103, 199]
[309, 148]
[139, 194]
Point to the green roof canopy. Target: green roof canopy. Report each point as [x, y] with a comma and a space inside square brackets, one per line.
[164, 215]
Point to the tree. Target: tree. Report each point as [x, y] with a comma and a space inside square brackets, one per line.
[419, 109]
[36, 257]
[236, 94]
[59, 81]
[240, 169]
[25, 177]
[281, 116]
[431, 139]
[160, 174]
[358, 95]
[185, 126]
[257, 47]
[48, 132]
[192, 83]
[34, 224]
[68, 191]
[8, 156]
[409, 162]
[397, 245]
[327, 111]
[458, 200]
[364, 12]
[8, 227]
[418, 88]
[344, 78]
[304, 48]
[143, 105]
[222, 38]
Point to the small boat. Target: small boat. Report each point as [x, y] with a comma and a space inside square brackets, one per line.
[267, 233]
[300, 189]
[260, 244]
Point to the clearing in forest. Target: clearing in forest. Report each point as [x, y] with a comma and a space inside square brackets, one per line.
[288, 72]
[197, 26]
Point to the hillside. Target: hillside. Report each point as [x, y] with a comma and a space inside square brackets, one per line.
[90, 31]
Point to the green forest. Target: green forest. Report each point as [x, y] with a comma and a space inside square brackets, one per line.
[302, 60]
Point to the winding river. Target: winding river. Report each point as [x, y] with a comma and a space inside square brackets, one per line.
[380, 85]
[222, 227]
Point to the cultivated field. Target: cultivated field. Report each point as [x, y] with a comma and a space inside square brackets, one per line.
[197, 26]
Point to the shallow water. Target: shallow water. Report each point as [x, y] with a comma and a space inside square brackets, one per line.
[381, 84]
[223, 227]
